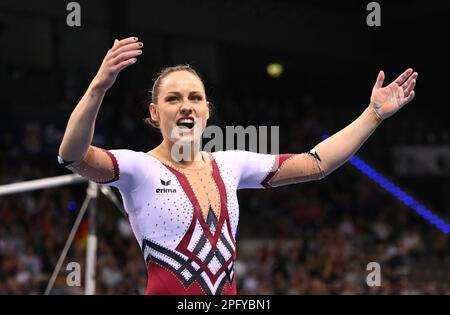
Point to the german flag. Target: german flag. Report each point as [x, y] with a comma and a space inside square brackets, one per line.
[81, 236]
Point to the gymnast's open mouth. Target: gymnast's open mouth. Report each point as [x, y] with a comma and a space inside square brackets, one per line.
[187, 122]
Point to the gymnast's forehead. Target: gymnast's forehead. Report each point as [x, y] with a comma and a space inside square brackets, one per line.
[182, 82]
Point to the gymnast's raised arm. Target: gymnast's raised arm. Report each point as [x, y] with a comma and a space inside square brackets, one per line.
[76, 151]
[334, 151]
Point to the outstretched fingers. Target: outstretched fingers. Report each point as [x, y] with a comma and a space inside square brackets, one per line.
[407, 84]
[380, 80]
[403, 77]
[410, 86]
[409, 97]
[408, 89]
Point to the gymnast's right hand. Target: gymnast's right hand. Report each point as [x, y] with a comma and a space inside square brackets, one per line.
[121, 55]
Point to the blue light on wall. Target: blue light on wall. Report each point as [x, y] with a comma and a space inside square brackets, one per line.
[395, 191]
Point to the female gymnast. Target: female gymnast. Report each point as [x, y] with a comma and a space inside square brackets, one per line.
[184, 212]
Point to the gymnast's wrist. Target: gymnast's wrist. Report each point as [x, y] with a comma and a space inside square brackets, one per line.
[373, 114]
[96, 88]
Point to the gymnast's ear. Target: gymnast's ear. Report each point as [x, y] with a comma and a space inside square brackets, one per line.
[153, 109]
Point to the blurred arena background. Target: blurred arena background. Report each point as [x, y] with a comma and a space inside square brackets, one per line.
[311, 238]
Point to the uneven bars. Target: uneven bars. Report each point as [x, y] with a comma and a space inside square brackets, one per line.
[43, 183]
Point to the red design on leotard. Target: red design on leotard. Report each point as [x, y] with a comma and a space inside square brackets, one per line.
[280, 159]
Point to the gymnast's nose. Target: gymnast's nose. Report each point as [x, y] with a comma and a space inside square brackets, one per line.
[186, 109]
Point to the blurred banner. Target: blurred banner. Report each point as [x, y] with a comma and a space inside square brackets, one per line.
[422, 160]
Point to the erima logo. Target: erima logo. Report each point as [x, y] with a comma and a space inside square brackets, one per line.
[165, 183]
[165, 190]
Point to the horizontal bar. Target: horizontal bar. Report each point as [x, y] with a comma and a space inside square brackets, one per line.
[43, 183]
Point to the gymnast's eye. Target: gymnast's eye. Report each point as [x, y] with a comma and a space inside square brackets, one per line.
[171, 99]
[196, 97]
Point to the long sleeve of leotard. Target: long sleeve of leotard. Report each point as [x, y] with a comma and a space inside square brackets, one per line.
[123, 169]
[263, 170]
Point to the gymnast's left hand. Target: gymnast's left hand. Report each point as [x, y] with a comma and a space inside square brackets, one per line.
[386, 101]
